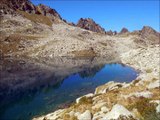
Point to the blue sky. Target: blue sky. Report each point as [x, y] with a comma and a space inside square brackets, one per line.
[114, 15]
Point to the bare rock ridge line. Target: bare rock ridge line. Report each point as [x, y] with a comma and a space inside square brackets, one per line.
[90, 24]
[11, 7]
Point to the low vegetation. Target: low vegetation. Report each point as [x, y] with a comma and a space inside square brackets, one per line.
[37, 18]
[14, 43]
[84, 53]
[145, 108]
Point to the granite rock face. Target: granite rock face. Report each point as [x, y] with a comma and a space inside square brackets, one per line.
[90, 24]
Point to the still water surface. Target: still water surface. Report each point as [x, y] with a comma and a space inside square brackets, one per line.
[27, 90]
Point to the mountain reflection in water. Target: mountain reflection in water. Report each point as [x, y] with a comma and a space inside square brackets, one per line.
[29, 88]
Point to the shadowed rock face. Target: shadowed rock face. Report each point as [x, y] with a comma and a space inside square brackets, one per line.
[90, 24]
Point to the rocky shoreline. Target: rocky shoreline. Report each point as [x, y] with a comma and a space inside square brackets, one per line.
[121, 101]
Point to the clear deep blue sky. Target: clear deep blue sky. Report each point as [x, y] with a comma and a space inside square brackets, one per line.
[114, 15]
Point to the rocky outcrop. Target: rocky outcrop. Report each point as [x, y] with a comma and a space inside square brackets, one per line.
[147, 36]
[124, 30]
[90, 24]
[11, 6]
[47, 11]
[146, 31]
[117, 112]
[110, 32]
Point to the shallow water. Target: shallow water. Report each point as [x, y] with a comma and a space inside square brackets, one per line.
[28, 89]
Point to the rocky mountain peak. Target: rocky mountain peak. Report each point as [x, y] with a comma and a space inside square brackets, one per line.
[10, 6]
[124, 30]
[148, 30]
[90, 24]
[47, 11]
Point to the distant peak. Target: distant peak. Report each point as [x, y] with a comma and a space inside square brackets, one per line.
[124, 30]
[90, 24]
[148, 30]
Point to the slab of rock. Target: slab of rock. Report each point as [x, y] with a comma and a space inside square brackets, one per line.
[155, 84]
[108, 87]
[98, 105]
[85, 116]
[116, 112]
[87, 96]
[145, 94]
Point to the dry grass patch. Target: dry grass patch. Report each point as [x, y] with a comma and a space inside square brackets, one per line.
[149, 70]
[12, 43]
[36, 18]
[84, 53]
[145, 108]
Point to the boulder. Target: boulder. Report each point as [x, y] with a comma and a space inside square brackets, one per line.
[87, 96]
[153, 85]
[116, 112]
[85, 116]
